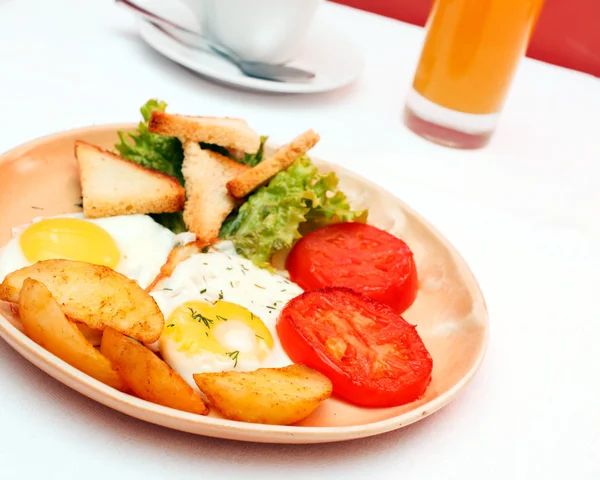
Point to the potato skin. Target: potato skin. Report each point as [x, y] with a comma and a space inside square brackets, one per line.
[94, 295]
[274, 396]
[149, 377]
[45, 323]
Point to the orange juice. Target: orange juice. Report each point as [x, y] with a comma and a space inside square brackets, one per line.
[472, 50]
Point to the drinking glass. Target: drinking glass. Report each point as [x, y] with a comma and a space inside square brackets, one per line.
[471, 52]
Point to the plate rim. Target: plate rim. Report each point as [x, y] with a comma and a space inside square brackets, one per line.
[143, 409]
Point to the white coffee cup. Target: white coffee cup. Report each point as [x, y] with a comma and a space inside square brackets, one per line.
[269, 31]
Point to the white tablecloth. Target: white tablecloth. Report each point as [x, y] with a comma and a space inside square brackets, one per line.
[524, 212]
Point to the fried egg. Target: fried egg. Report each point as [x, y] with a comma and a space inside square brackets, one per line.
[134, 245]
[220, 314]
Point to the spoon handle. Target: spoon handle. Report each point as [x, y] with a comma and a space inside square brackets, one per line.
[148, 15]
[192, 39]
[164, 22]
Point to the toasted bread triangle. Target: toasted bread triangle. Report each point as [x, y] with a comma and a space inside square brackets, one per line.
[227, 132]
[206, 174]
[112, 185]
[253, 178]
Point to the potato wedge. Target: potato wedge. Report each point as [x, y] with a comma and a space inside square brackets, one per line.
[148, 376]
[91, 334]
[94, 295]
[275, 396]
[46, 325]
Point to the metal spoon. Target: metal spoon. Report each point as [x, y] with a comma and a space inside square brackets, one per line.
[265, 71]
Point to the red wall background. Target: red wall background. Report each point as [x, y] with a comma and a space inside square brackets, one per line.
[567, 33]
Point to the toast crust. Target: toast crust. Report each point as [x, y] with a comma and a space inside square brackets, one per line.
[283, 158]
[231, 133]
[112, 185]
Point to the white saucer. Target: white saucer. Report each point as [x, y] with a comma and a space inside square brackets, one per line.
[334, 58]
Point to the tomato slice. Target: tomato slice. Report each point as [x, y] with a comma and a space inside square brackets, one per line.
[357, 256]
[373, 357]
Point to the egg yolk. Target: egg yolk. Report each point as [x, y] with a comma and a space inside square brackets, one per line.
[224, 328]
[69, 238]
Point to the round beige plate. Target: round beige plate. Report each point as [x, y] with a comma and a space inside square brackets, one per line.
[40, 178]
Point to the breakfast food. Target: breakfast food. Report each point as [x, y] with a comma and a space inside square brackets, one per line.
[177, 255]
[92, 294]
[112, 185]
[225, 132]
[277, 396]
[133, 245]
[206, 174]
[371, 354]
[262, 295]
[357, 256]
[148, 376]
[46, 325]
[245, 182]
[220, 313]
[92, 335]
[299, 198]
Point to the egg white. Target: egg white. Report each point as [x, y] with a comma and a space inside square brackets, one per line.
[144, 245]
[222, 274]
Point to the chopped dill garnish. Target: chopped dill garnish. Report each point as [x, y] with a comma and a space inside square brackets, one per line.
[200, 318]
[234, 356]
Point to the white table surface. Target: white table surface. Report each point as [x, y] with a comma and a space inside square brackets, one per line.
[524, 212]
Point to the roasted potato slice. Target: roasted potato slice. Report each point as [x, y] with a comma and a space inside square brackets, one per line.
[148, 376]
[46, 325]
[275, 396]
[94, 295]
[92, 335]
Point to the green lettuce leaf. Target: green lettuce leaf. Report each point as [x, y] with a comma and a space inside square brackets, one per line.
[294, 202]
[296, 199]
[253, 159]
[150, 149]
[332, 206]
[166, 155]
[155, 151]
